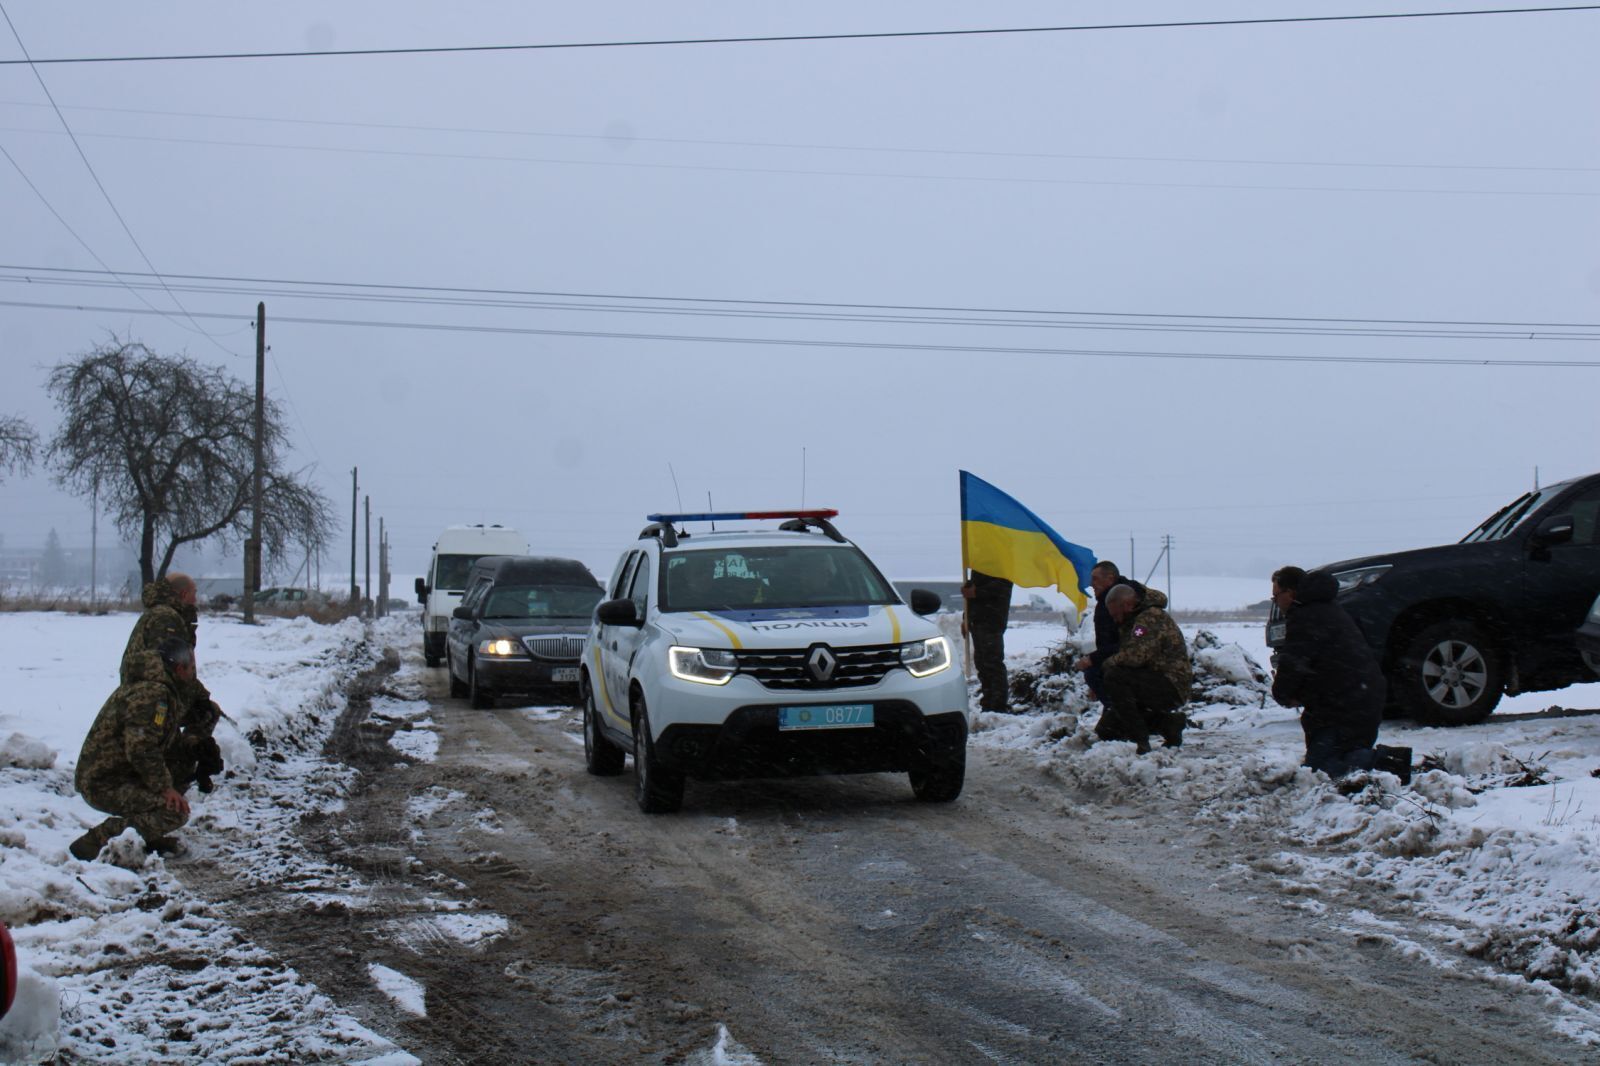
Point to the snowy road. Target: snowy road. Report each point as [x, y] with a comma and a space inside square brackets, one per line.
[539, 917]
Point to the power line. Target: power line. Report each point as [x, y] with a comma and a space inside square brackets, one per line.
[105, 194]
[796, 342]
[1517, 326]
[811, 37]
[711, 168]
[806, 146]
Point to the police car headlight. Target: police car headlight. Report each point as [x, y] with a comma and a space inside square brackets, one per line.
[501, 648]
[925, 657]
[708, 666]
[1351, 580]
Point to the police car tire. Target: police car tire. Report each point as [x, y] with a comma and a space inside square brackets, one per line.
[476, 694]
[941, 784]
[600, 757]
[656, 790]
[1466, 644]
[458, 687]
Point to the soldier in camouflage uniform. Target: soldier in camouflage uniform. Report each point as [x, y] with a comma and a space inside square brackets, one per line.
[124, 768]
[1148, 679]
[169, 613]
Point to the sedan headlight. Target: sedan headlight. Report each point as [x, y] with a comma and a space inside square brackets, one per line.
[501, 648]
[925, 657]
[708, 666]
[1350, 580]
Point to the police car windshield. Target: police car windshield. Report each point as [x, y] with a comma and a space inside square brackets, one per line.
[757, 578]
[542, 601]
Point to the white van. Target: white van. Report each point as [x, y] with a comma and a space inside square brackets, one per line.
[439, 593]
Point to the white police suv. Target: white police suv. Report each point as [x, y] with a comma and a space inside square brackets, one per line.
[766, 653]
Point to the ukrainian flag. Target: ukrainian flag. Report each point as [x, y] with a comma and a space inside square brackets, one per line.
[1002, 538]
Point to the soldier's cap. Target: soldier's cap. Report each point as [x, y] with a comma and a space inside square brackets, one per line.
[175, 651]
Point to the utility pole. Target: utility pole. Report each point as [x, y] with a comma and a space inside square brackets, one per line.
[355, 592]
[94, 541]
[383, 572]
[1133, 559]
[1166, 549]
[368, 502]
[252, 547]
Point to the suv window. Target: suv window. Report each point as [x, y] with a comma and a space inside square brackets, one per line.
[541, 601]
[735, 578]
[1506, 519]
[1585, 512]
[617, 584]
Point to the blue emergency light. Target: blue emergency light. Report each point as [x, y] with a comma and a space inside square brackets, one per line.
[726, 516]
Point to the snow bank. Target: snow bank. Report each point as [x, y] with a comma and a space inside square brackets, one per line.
[1495, 842]
[120, 961]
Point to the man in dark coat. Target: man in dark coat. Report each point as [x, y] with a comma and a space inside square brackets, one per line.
[1148, 680]
[1102, 579]
[988, 611]
[1326, 668]
[124, 769]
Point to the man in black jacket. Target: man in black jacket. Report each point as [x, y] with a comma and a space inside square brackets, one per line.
[1326, 668]
[1102, 579]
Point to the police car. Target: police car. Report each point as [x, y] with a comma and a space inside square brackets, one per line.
[766, 653]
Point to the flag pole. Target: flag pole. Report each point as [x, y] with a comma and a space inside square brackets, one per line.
[966, 576]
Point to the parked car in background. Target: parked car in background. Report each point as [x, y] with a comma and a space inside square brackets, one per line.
[1458, 625]
[766, 653]
[520, 628]
[457, 548]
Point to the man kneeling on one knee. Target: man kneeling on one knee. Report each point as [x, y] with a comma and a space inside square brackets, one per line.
[137, 762]
[1146, 682]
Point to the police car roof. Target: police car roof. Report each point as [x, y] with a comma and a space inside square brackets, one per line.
[754, 538]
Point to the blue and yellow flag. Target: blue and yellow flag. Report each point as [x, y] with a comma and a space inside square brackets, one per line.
[1002, 538]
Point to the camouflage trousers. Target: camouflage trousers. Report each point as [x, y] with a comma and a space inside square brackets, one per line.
[132, 803]
[1139, 701]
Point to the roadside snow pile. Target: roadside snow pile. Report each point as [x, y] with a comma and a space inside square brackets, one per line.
[120, 962]
[1496, 841]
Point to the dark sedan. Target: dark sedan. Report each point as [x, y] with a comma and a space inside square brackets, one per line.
[520, 630]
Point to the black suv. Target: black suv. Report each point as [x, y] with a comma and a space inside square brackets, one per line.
[520, 628]
[1457, 625]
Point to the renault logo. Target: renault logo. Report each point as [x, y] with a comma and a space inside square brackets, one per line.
[821, 662]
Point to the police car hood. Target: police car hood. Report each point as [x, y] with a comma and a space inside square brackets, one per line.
[790, 627]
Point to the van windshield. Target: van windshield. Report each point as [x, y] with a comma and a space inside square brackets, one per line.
[542, 601]
[450, 571]
[756, 577]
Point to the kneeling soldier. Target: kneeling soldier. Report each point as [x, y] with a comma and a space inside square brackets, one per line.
[126, 768]
[1147, 680]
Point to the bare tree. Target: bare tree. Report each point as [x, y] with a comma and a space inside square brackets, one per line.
[169, 444]
[18, 445]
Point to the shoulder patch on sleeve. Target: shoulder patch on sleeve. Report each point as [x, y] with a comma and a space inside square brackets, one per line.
[161, 711]
[1139, 631]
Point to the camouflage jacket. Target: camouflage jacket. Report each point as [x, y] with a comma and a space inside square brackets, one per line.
[1151, 640]
[165, 616]
[133, 732]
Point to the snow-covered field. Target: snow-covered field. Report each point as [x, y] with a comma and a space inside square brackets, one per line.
[119, 961]
[1494, 852]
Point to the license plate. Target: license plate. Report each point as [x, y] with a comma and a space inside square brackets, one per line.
[564, 673]
[826, 716]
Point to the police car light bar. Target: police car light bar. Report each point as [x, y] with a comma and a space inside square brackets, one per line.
[727, 516]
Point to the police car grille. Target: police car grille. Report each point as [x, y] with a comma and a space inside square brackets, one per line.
[785, 668]
[557, 647]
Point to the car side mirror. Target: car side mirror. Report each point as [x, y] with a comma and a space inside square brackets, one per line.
[422, 591]
[617, 613]
[925, 602]
[1557, 529]
[463, 613]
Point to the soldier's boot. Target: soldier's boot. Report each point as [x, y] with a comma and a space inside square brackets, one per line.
[1172, 726]
[88, 846]
[169, 846]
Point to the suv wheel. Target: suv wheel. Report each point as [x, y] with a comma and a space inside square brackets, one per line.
[476, 693]
[1450, 674]
[941, 784]
[600, 757]
[656, 790]
[458, 687]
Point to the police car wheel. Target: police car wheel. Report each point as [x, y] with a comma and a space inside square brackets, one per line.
[600, 757]
[1449, 674]
[655, 789]
[942, 784]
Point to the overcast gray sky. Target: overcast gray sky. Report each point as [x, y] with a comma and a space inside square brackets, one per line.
[1439, 169]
